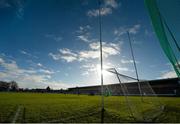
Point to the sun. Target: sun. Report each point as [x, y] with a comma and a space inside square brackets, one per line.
[104, 71]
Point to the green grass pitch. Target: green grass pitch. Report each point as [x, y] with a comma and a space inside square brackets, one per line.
[44, 107]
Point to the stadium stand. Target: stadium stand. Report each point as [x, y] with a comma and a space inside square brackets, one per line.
[161, 87]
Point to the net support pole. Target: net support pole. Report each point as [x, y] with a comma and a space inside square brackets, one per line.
[101, 62]
[134, 62]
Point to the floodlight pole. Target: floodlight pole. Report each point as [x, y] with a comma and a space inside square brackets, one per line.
[101, 60]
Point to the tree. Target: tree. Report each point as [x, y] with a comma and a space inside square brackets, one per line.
[4, 86]
[48, 89]
[13, 86]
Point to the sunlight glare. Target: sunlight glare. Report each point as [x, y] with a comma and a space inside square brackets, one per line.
[105, 73]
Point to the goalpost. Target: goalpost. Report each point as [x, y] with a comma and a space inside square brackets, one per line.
[135, 108]
[101, 62]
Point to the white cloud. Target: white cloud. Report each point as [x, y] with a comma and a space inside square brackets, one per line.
[109, 49]
[95, 12]
[123, 69]
[45, 71]
[40, 65]
[124, 29]
[169, 74]
[120, 31]
[106, 9]
[54, 56]
[61, 56]
[24, 52]
[85, 73]
[94, 45]
[67, 52]
[84, 55]
[84, 29]
[134, 29]
[27, 54]
[1, 60]
[25, 77]
[126, 61]
[84, 38]
[69, 58]
[89, 68]
[111, 3]
[64, 54]
[83, 33]
[32, 78]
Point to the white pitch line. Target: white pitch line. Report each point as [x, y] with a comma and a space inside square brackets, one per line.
[16, 115]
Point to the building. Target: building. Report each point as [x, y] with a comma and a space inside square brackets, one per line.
[161, 87]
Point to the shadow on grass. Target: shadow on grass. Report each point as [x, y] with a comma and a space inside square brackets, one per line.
[167, 114]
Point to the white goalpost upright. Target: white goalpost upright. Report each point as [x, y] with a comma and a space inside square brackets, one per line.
[101, 62]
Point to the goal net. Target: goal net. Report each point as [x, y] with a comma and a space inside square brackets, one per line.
[132, 100]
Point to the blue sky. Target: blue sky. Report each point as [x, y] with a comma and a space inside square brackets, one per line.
[55, 42]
